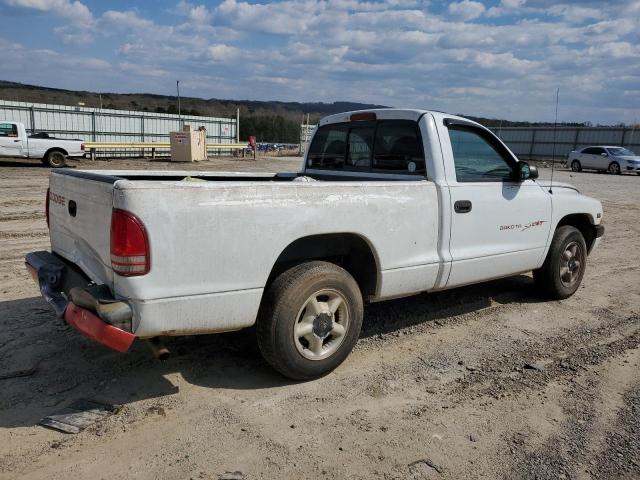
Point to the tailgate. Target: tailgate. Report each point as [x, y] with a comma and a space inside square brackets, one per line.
[80, 221]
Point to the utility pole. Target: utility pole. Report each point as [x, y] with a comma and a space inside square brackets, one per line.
[178, 90]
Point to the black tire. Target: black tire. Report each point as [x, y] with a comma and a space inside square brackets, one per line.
[548, 278]
[576, 166]
[284, 307]
[55, 159]
[614, 168]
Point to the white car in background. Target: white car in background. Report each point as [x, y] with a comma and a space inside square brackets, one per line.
[614, 160]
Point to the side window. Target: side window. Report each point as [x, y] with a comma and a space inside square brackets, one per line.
[599, 151]
[8, 130]
[398, 147]
[475, 159]
[590, 151]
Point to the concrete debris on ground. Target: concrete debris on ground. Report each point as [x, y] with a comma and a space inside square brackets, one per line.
[78, 416]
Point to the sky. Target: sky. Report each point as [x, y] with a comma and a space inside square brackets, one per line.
[500, 58]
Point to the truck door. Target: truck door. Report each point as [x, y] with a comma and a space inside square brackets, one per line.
[499, 226]
[10, 141]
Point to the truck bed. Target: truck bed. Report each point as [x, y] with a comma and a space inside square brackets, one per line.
[215, 240]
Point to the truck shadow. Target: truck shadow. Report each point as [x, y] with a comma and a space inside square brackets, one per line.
[385, 317]
[22, 163]
[45, 365]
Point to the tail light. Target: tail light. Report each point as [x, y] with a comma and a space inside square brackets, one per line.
[82, 147]
[360, 116]
[129, 245]
[46, 207]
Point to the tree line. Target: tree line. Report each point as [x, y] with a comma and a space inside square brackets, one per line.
[269, 128]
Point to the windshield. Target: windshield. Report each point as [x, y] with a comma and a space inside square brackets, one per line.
[621, 152]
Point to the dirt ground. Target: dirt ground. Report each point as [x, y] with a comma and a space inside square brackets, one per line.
[488, 381]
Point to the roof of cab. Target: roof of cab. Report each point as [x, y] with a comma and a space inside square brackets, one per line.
[390, 114]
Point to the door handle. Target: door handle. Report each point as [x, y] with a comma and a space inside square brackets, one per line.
[17, 140]
[462, 206]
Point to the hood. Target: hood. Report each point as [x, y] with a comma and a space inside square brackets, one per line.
[547, 184]
[635, 158]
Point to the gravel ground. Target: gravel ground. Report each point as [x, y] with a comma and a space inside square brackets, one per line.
[487, 381]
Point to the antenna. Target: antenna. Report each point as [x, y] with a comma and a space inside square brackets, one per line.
[553, 154]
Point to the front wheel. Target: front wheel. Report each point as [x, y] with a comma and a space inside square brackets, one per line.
[310, 320]
[55, 159]
[563, 269]
[575, 166]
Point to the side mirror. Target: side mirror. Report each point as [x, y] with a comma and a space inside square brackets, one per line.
[527, 172]
[604, 154]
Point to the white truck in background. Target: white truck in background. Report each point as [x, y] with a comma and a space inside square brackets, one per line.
[14, 142]
[389, 203]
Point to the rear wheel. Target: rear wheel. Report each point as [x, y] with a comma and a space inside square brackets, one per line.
[310, 320]
[55, 159]
[563, 269]
[576, 166]
[614, 168]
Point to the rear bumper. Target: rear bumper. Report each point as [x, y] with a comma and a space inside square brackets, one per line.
[97, 329]
[91, 309]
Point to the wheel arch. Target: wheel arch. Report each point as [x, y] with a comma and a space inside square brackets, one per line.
[351, 251]
[55, 149]
[584, 223]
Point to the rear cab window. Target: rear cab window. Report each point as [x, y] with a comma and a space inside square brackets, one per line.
[382, 146]
[8, 130]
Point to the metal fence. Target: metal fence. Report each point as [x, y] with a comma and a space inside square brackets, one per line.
[542, 142]
[546, 142]
[106, 125]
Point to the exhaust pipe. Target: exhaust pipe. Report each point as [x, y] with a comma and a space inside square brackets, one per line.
[158, 348]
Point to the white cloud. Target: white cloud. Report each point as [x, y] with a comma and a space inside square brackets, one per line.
[466, 10]
[198, 14]
[506, 7]
[75, 11]
[127, 19]
[575, 13]
[513, 3]
[616, 50]
[222, 53]
[73, 35]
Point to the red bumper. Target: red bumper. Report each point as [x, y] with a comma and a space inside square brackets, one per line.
[96, 329]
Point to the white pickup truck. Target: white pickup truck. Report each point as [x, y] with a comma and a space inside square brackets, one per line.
[14, 142]
[389, 203]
